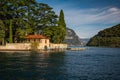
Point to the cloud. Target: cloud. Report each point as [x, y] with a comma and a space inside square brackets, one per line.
[87, 21]
[113, 9]
[108, 16]
[86, 18]
[91, 16]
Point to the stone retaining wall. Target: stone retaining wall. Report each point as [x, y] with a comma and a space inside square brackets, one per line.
[27, 46]
[16, 46]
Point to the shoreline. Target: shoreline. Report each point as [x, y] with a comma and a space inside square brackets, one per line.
[31, 50]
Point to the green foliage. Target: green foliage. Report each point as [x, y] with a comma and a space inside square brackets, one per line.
[61, 19]
[109, 37]
[44, 16]
[23, 31]
[11, 33]
[34, 45]
[23, 17]
[54, 33]
[16, 11]
[111, 32]
[62, 25]
[2, 28]
[2, 32]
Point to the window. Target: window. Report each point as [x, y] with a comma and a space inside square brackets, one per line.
[45, 41]
[40, 41]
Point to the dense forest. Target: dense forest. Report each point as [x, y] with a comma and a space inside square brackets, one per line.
[109, 37]
[19, 18]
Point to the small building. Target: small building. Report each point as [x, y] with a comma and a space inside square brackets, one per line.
[43, 43]
[42, 40]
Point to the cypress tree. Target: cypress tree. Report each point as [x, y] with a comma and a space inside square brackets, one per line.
[2, 32]
[10, 33]
[62, 25]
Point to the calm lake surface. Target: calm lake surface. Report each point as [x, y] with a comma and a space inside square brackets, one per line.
[91, 64]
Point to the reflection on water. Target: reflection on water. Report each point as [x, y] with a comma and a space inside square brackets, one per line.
[91, 64]
[31, 66]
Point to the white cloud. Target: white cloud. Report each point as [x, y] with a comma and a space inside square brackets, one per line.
[81, 20]
[91, 16]
[109, 16]
[77, 18]
[86, 21]
[113, 9]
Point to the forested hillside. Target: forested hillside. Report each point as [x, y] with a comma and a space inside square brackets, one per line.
[109, 37]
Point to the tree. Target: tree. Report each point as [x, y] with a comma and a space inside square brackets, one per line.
[53, 33]
[2, 32]
[14, 11]
[10, 33]
[57, 33]
[62, 25]
[23, 17]
[44, 16]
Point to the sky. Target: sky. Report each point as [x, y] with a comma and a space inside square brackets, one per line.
[87, 17]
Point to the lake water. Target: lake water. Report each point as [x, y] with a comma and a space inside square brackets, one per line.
[91, 64]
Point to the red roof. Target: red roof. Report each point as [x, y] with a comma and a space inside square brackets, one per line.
[35, 36]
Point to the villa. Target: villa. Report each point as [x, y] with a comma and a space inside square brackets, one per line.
[43, 43]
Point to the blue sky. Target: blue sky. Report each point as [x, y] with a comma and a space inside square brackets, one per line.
[87, 17]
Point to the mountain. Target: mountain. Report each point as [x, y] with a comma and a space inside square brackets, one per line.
[72, 38]
[85, 40]
[109, 37]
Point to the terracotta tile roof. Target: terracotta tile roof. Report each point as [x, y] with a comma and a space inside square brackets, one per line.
[35, 36]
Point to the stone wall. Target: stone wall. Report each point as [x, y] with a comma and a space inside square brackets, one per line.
[58, 46]
[27, 46]
[16, 46]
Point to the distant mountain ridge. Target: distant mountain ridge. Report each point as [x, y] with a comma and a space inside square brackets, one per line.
[72, 38]
[109, 37]
[85, 40]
